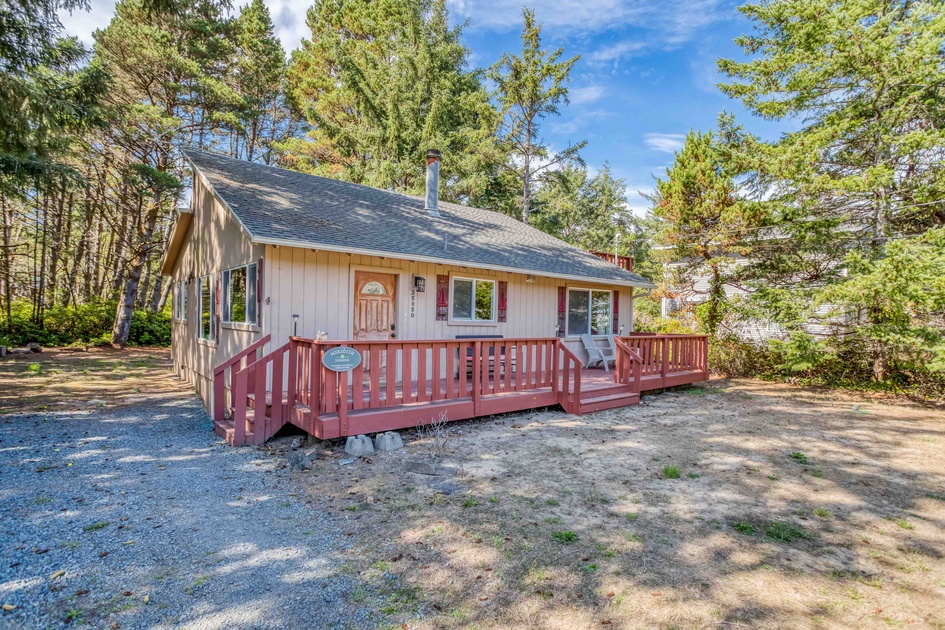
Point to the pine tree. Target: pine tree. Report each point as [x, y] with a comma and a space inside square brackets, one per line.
[530, 88]
[382, 81]
[867, 80]
[170, 72]
[46, 91]
[588, 212]
[702, 222]
[259, 71]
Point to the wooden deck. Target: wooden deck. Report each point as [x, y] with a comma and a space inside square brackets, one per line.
[402, 384]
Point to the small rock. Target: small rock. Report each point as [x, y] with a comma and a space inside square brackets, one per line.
[302, 460]
[359, 446]
[34, 347]
[421, 468]
[426, 468]
[389, 441]
[345, 462]
[445, 487]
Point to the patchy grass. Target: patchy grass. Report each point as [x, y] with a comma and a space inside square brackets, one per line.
[744, 528]
[671, 472]
[60, 379]
[591, 531]
[782, 532]
[901, 522]
[800, 458]
[566, 537]
[94, 527]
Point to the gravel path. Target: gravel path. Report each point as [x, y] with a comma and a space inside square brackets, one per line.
[139, 517]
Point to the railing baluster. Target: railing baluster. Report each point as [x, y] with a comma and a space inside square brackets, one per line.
[422, 372]
[451, 368]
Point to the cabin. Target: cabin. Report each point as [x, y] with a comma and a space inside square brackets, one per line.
[345, 309]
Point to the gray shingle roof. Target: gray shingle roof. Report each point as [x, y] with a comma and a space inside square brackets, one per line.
[284, 207]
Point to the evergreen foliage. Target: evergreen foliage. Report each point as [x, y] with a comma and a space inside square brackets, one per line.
[380, 82]
[529, 88]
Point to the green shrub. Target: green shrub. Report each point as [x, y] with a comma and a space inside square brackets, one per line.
[85, 324]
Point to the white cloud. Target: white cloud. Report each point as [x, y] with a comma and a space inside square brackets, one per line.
[570, 15]
[664, 142]
[617, 51]
[585, 95]
[288, 17]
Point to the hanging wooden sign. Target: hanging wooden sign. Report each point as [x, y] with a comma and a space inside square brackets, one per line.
[341, 359]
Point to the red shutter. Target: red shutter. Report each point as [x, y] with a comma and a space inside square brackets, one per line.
[562, 309]
[615, 328]
[259, 288]
[503, 301]
[442, 298]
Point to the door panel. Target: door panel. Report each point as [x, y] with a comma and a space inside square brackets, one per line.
[374, 317]
[375, 299]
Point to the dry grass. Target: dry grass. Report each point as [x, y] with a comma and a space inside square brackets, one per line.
[564, 522]
[59, 379]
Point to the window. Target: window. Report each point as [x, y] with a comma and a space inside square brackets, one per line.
[589, 312]
[239, 294]
[180, 301]
[473, 300]
[205, 308]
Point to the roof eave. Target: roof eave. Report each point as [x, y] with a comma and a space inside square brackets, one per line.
[450, 261]
[175, 243]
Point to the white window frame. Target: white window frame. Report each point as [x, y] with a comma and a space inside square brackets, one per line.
[225, 298]
[180, 300]
[210, 280]
[475, 281]
[590, 307]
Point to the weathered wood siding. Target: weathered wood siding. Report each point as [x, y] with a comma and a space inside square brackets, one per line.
[215, 242]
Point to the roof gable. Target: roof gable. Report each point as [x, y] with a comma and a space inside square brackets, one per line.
[282, 207]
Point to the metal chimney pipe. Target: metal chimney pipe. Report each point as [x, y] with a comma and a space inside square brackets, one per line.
[433, 182]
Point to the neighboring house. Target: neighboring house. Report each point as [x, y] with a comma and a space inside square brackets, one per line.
[269, 254]
[680, 302]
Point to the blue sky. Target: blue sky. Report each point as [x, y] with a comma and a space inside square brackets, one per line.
[646, 76]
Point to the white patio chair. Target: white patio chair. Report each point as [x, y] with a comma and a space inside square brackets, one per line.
[595, 354]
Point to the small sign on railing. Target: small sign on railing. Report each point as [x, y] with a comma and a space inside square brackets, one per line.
[341, 359]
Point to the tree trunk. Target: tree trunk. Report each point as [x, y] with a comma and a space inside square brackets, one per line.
[159, 295]
[126, 302]
[526, 190]
[7, 256]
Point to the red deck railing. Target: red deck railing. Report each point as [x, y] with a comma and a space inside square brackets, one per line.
[401, 383]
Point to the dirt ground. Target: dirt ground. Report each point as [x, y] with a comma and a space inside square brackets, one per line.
[60, 379]
[793, 508]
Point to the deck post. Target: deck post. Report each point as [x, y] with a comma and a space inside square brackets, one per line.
[239, 407]
[292, 373]
[277, 411]
[477, 376]
[343, 402]
[705, 356]
[315, 379]
[664, 360]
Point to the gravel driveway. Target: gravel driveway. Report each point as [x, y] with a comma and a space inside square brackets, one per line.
[139, 517]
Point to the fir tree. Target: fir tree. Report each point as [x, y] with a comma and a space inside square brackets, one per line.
[867, 80]
[702, 222]
[530, 88]
[382, 81]
[264, 117]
